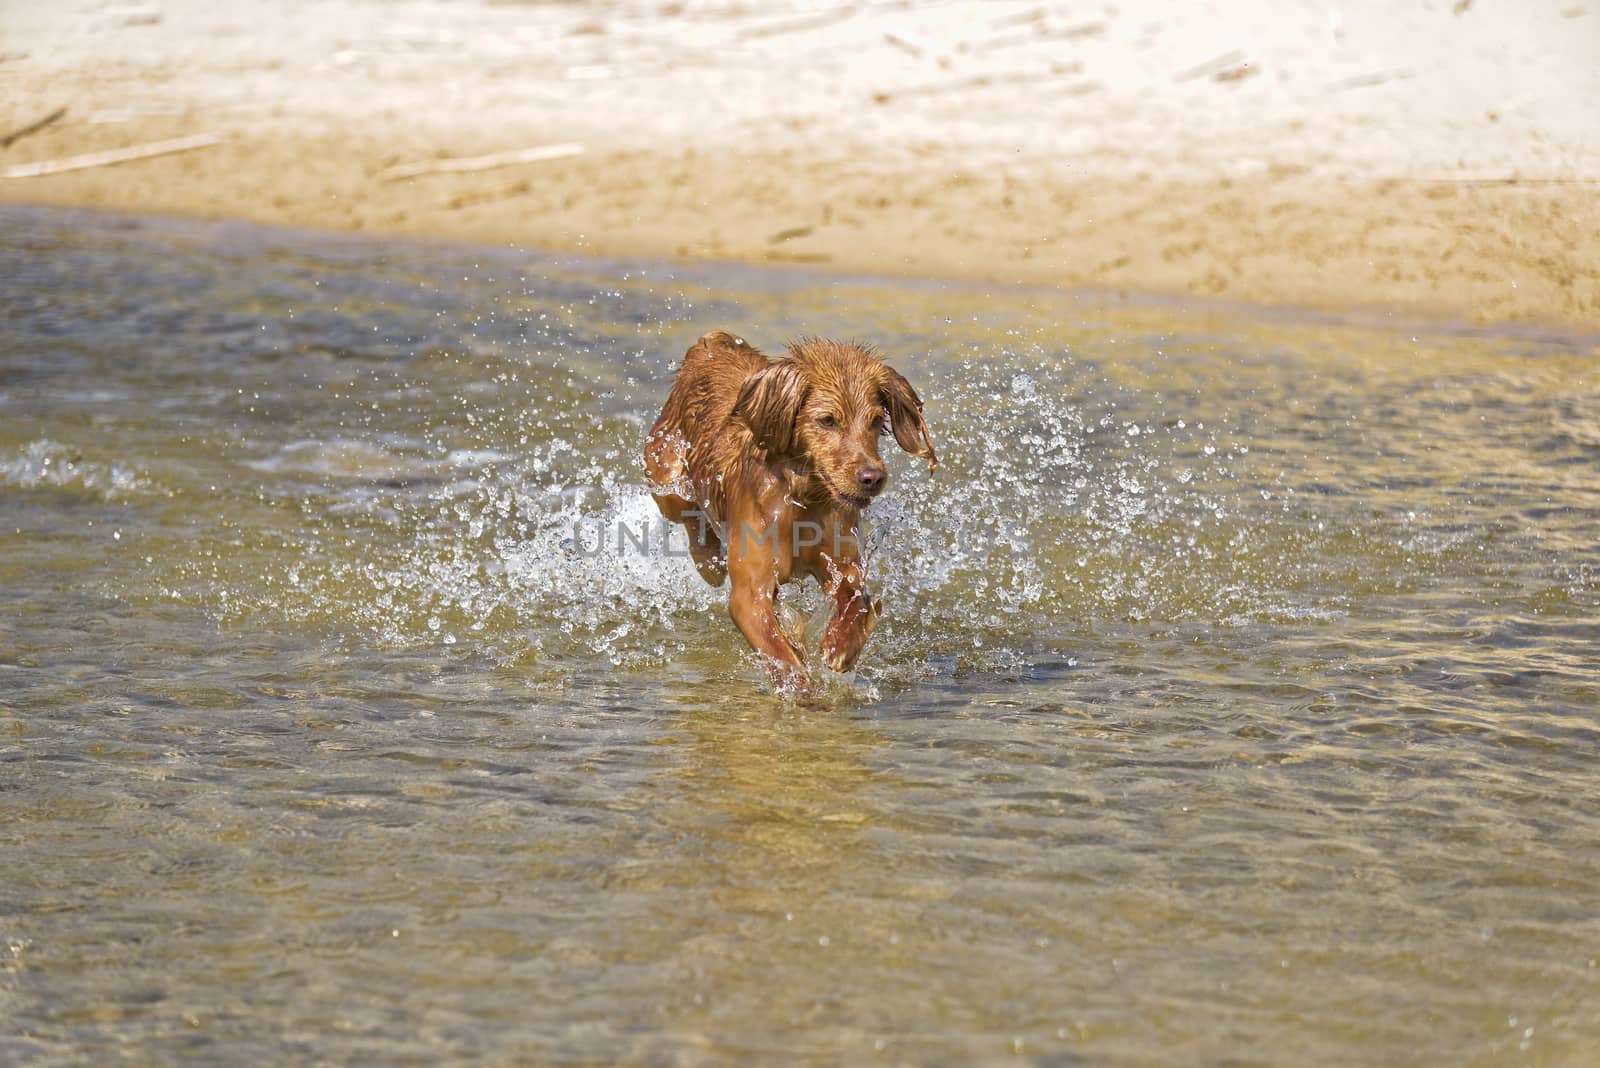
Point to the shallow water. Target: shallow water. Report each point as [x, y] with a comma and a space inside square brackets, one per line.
[1235, 702]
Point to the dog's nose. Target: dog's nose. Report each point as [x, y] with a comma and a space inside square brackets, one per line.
[870, 479]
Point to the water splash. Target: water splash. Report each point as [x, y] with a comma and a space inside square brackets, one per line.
[419, 457]
[1063, 500]
[44, 463]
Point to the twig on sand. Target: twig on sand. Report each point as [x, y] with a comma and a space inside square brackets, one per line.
[32, 127]
[904, 43]
[111, 156]
[1226, 61]
[800, 25]
[1040, 34]
[1235, 74]
[1037, 14]
[789, 234]
[1511, 179]
[468, 164]
[1364, 81]
[480, 196]
[980, 81]
[798, 257]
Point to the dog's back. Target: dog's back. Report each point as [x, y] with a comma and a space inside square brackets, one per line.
[695, 439]
[707, 386]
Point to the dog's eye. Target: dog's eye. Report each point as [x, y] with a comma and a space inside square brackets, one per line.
[877, 425]
[827, 421]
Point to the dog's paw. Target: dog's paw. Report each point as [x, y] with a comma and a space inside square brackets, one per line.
[846, 637]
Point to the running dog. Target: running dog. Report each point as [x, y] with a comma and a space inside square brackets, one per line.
[768, 464]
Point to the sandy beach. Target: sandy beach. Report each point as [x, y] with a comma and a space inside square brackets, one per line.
[1440, 161]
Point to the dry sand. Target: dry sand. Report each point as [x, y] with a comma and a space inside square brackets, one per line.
[1440, 159]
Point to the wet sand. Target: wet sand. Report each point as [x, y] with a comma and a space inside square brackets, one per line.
[1438, 163]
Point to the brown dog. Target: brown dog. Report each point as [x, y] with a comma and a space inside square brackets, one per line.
[767, 464]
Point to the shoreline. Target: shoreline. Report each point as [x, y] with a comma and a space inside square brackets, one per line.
[1485, 254]
[987, 142]
[695, 270]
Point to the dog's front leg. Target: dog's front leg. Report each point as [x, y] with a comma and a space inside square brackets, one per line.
[753, 605]
[754, 609]
[855, 614]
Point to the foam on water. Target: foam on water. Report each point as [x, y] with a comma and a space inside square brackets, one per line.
[46, 463]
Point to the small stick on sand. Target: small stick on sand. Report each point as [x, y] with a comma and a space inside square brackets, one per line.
[480, 196]
[32, 127]
[115, 155]
[1035, 15]
[980, 81]
[1223, 62]
[1364, 81]
[1511, 179]
[468, 164]
[789, 234]
[1040, 33]
[905, 44]
[802, 24]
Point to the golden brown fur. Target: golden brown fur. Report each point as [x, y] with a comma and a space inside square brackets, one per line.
[767, 464]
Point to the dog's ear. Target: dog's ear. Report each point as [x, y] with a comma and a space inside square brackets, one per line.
[905, 416]
[769, 404]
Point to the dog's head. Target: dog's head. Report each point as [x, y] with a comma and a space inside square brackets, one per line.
[825, 405]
